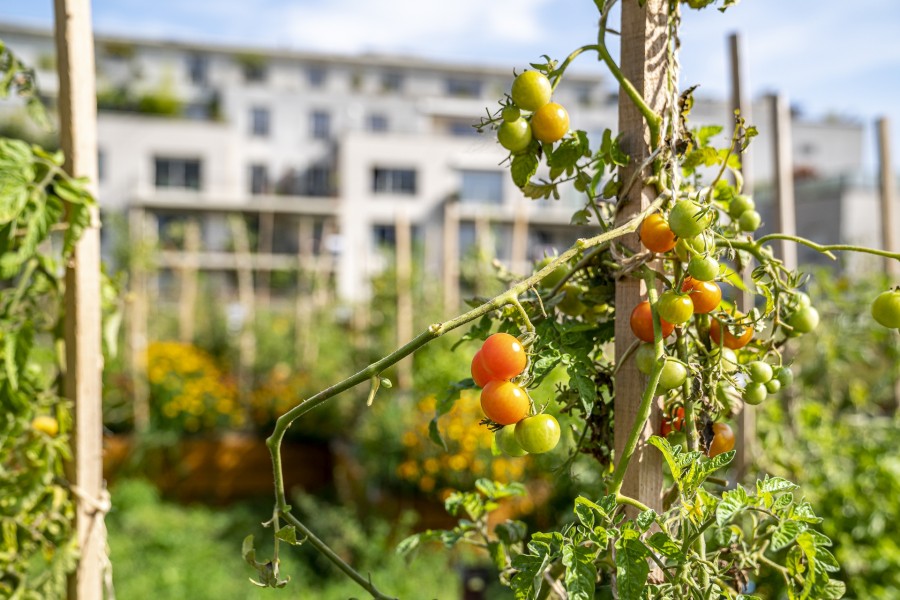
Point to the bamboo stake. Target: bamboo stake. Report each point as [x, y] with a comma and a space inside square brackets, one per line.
[405, 325]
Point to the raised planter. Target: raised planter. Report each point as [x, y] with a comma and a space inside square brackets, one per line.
[219, 469]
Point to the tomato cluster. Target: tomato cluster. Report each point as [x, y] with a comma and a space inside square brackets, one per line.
[547, 121]
[500, 360]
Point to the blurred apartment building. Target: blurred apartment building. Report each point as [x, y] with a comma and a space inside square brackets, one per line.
[325, 153]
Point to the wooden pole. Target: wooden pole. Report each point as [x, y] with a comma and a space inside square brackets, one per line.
[84, 356]
[247, 339]
[266, 229]
[785, 212]
[137, 320]
[451, 258]
[886, 188]
[644, 64]
[405, 323]
[746, 420]
[303, 348]
[187, 299]
[519, 254]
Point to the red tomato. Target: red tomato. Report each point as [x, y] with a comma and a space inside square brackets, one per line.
[731, 341]
[504, 402]
[656, 234]
[503, 356]
[676, 424]
[706, 295]
[642, 323]
[723, 440]
[479, 373]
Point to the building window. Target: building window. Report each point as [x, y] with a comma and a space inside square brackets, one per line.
[259, 121]
[384, 236]
[393, 181]
[318, 181]
[254, 68]
[377, 122]
[320, 125]
[198, 67]
[178, 173]
[315, 76]
[391, 82]
[259, 179]
[463, 88]
[481, 187]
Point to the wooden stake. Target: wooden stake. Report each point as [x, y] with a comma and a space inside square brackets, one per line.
[785, 212]
[303, 348]
[84, 356]
[137, 319]
[519, 254]
[187, 300]
[886, 188]
[746, 420]
[247, 340]
[405, 323]
[451, 258]
[644, 63]
[266, 229]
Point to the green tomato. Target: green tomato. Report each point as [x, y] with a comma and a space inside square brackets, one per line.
[749, 221]
[801, 300]
[556, 275]
[728, 358]
[886, 309]
[759, 371]
[515, 136]
[506, 441]
[785, 376]
[754, 393]
[673, 375]
[531, 90]
[804, 320]
[571, 303]
[645, 358]
[538, 434]
[773, 386]
[687, 248]
[688, 219]
[675, 308]
[703, 268]
[739, 205]
[511, 113]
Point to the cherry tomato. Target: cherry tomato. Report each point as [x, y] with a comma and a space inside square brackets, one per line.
[685, 248]
[656, 234]
[645, 358]
[731, 341]
[723, 440]
[688, 219]
[503, 356]
[726, 357]
[673, 375]
[804, 320]
[773, 386]
[549, 282]
[703, 268]
[480, 374]
[506, 441]
[45, 424]
[504, 402]
[801, 300]
[550, 123]
[754, 393]
[515, 136]
[749, 221]
[571, 303]
[675, 307]
[706, 295]
[739, 205]
[642, 323]
[759, 371]
[531, 90]
[538, 434]
[673, 423]
[511, 113]
[785, 376]
[886, 309]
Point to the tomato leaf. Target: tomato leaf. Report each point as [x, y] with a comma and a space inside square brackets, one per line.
[632, 568]
[523, 168]
[581, 574]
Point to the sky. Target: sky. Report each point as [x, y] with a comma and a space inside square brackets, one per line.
[830, 57]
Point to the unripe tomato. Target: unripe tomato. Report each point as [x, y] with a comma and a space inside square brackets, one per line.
[511, 113]
[886, 309]
[549, 282]
[673, 375]
[550, 123]
[672, 423]
[506, 441]
[685, 248]
[656, 234]
[688, 219]
[503, 356]
[804, 320]
[749, 221]
[571, 303]
[504, 402]
[802, 300]
[785, 376]
[754, 393]
[703, 268]
[45, 424]
[538, 434]
[531, 90]
[730, 341]
[515, 136]
[642, 323]
[706, 295]
[723, 440]
[739, 205]
[480, 374]
[675, 307]
[759, 371]
[726, 357]
[773, 386]
[645, 358]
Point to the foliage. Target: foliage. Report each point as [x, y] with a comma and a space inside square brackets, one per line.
[36, 511]
[838, 435]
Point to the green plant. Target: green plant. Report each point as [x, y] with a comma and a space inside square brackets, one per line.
[698, 541]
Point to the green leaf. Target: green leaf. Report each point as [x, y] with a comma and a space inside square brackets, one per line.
[732, 502]
[666, 546]
[646, 519]
[632, 568]
[784, 534]
[511, 532]
[587, 511]
[289, 534]
[774, 485]
[529, 577]
[581, 574]
[523, 168]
